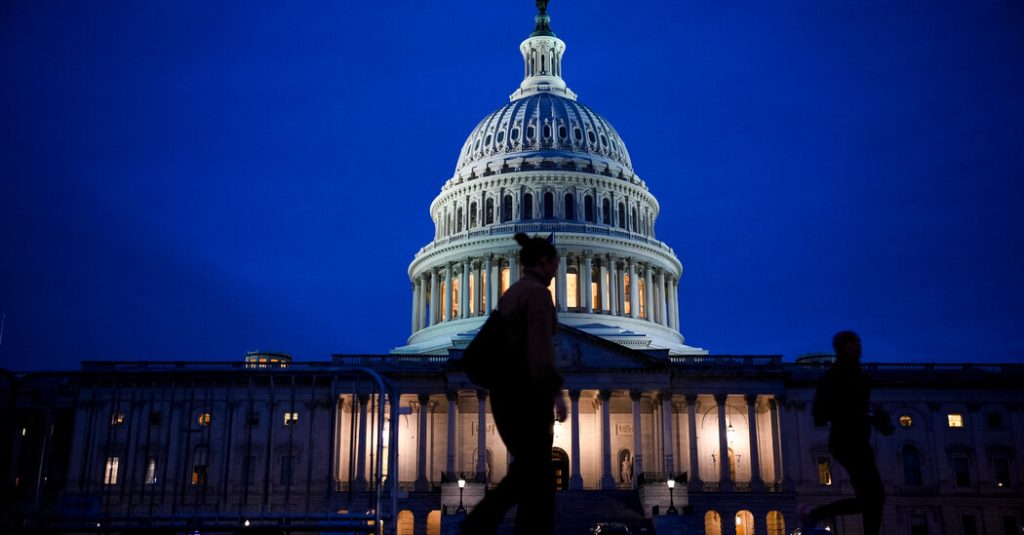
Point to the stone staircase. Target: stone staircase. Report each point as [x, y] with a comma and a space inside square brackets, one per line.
[579, 510]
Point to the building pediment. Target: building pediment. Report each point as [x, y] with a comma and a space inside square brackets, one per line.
[576, 349]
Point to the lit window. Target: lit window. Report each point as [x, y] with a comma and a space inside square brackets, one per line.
[291, 418]
[151, 471]
[204, 419]
[198, 474]
[117, 418]
[572, 290]
[110, 475]
[906, 421]
[824, 471]
[955, 420]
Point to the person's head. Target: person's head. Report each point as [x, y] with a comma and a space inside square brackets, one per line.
[847, 346]
[537, 255]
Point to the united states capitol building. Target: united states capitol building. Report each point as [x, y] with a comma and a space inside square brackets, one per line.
[402, 442]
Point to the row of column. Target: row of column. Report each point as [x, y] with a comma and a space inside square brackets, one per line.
[663, 438]
[436, 300]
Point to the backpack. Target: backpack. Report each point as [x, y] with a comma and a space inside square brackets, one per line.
[485, 360]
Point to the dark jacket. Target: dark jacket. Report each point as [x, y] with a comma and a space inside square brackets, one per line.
[843, 398]
[529, 312]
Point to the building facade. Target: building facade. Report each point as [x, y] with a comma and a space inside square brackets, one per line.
[362, 442]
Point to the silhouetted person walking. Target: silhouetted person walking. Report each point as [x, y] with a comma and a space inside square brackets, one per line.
[843, 398]
[524, 406]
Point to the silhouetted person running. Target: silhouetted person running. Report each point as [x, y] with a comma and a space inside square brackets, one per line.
[843, 398]
[524, 407]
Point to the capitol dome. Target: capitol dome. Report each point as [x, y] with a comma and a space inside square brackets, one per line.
[543, 122]
[546, 165]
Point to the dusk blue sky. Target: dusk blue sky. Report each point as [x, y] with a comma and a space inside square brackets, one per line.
[192, 180]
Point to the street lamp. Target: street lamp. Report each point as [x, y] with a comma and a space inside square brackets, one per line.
[671, 502]
[462, 486]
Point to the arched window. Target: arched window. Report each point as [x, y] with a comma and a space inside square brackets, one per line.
[588, 209]
[549, 205]
[405, 523]
[911, 465]
[489, 211]
[776, 523]
[606, 211]
[635, 226]
[506, 209]
[472, 215]
[570, 207]
[712, 523]
[434, 522]
[528, 206]
[622, 215]
[744, 523]
[458, 220]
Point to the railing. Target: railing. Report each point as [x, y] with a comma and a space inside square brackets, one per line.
[110, 488]
[727, 360]
[498, 229]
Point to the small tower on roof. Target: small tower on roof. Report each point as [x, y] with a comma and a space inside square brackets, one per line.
[542, 55]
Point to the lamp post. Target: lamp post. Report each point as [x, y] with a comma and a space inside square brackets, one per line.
[462, 485]
[671, 502]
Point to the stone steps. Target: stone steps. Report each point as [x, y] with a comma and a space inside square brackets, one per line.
[579, 510]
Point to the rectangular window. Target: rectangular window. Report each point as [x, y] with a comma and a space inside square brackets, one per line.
[198, 474]
[572, 289]
[824, 471]
[506, 279]
[995, 420]
[970, 525]
[291, 418]
[626, 294]
[1002, 469]
[955, 420]
[961, 471]
[156, 418]
[117, 418]
[286, 469]
[253, 419]
[110, 474]
[151, 471]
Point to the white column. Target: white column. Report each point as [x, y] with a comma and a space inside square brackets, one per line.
[602, 283]
[446, 313]
[481, 435]
[464, 290]
[422, 483]
[435, 297]
[755, 455]
[575, 479]
[724, 482]
[661, 298]
[691, 427]
[360, 481]
[634, 291]
[489, 299]
[612, 286]
[666, 434]
[453, 400]
[478, 296]
[638, 447]
[773, 406]
[586, 279]
[494, 283]
[607, 481]
[648, 293]
[424, 284]
[560, 289]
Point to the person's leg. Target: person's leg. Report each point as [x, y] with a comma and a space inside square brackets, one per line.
[536, 514]
[489, 513]
[867, 484]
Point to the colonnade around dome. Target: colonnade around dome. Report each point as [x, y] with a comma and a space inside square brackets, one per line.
[618, 286]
